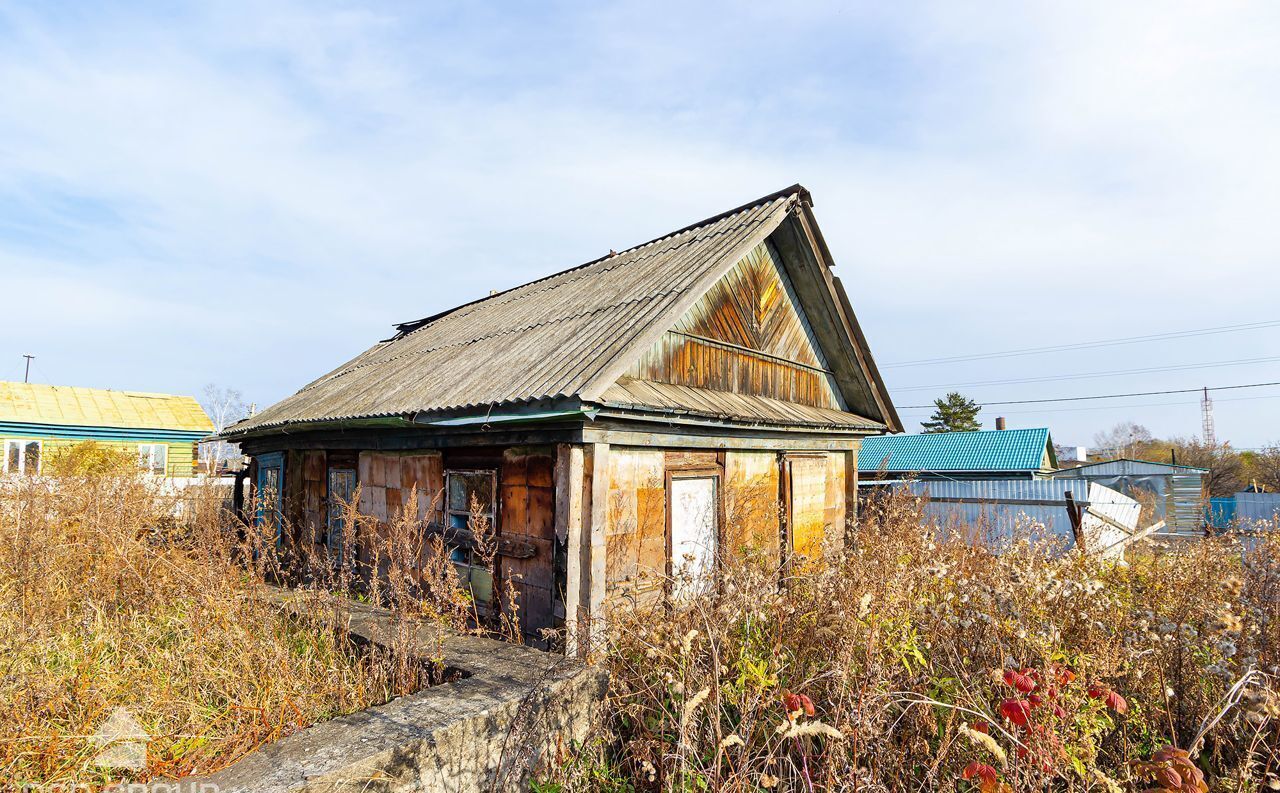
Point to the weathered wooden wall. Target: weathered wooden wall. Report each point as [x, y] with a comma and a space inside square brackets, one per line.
[389, 480]
[745, 335]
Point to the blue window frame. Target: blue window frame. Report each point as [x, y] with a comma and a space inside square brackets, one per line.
[342, 488]
[270, 511]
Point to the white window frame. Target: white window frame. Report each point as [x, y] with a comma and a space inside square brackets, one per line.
[147, 457]
[22, 444]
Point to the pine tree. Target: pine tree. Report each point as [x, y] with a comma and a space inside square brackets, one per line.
[953, 413]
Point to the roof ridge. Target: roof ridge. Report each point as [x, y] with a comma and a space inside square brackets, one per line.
[404, 328]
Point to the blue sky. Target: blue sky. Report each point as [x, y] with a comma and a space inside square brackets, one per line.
[250, 193]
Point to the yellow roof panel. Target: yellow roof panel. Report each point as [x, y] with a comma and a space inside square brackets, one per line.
[36, 403]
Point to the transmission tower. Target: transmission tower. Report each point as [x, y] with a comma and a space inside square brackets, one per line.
[1206, 419]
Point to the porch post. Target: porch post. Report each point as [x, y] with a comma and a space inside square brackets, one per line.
[595, 544]
[569, 491]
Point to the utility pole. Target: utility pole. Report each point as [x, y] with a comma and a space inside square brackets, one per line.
[1206, 420]
[26, 376]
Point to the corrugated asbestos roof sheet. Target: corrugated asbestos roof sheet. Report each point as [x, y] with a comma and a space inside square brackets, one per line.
[37, 403]
[706, 403]
[555, 337]
[984, 450]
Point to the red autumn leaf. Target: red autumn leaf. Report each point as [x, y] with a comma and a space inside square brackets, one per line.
[1019, 680]
[1166, 777]
[1034, 700]
[1058, 711]
[1016, 711]
[807, 704]
[1097, 691]
[982, 727]
[1169, 753]
[1117, 702]
[791, 702]
[985, 774]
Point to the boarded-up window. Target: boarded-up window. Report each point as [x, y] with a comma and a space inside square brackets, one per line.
[694, 531]
[807, 484]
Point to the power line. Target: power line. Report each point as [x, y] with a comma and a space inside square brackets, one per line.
[1087, 375]
[1109, 396]
[1087, 345]
[922, 410]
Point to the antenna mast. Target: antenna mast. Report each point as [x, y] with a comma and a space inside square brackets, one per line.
[1206, 419]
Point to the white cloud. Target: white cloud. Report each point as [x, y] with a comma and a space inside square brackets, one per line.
[985, 174]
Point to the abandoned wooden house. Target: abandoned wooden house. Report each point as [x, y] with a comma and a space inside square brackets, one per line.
[701, 393]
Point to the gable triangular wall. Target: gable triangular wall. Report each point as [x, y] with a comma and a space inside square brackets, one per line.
[747, 334]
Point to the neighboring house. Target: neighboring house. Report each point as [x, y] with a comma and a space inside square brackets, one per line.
[1176, 493]
[982, 454]
[640, 413]
[37, 421]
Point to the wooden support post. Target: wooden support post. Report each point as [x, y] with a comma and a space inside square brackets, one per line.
[1077, 528]
[593, 590]
[569, 492]
[850, 495]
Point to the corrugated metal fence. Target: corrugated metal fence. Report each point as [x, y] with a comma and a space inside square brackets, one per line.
[1007, 508]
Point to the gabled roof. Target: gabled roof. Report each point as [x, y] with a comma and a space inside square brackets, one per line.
[37, 403]
[571, 336]
[958, 452]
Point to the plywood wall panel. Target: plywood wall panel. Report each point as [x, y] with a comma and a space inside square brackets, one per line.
[808, 480]
[752, 512]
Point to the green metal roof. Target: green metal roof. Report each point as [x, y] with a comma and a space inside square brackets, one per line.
[984, 450]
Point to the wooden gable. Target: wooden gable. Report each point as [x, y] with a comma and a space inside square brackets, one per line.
[748, 335]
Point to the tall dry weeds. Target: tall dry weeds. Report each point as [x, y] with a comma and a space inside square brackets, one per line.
[916, 661]
[116, 594]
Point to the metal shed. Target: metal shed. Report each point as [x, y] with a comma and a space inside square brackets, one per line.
[1178, 489]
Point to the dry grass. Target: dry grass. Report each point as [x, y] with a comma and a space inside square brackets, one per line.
[107, 601]
[898, 667]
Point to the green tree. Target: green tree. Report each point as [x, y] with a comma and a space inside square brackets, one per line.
[953, 413]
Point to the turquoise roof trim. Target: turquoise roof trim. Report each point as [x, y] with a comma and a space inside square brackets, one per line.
[23, 429]
[955, 452]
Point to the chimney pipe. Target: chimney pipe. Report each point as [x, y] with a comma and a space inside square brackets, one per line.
[1000, 422]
